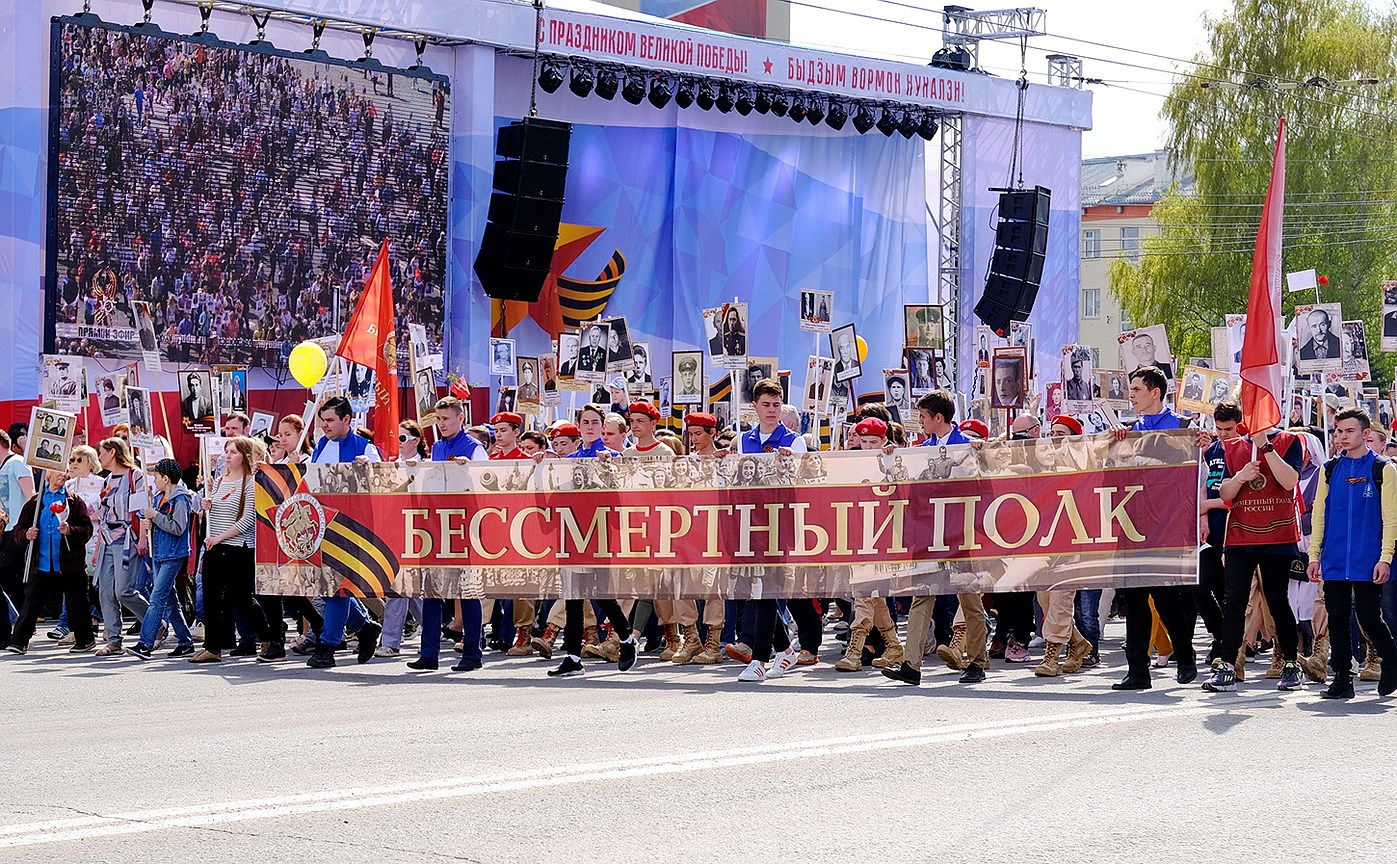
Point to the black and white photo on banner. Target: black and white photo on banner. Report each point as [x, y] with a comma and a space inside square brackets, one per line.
[924, 327]
[688, 377]
[1009, 378]
[726, 330]
[618, 345]
[897, 395]
[1147, 346]
[527, 392]
[591, 357]
[501, 356]
[844, 348]
[1316, 328]
[639, 378]
[818, 374]
[816, 307]
[1389, 315]
[1078, 382]
[63, 385]
[50, 438]
[922, 370]
[142, 423]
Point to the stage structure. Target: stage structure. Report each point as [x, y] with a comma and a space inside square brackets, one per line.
[790, 170]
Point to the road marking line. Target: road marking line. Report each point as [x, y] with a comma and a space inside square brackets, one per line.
[220, 813]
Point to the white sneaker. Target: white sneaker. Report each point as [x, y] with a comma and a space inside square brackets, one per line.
[197, 632]
[385, 651]
[784, 662]
[755, 671]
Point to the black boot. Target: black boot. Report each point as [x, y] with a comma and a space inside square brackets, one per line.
[1387, 682]
[1340, 688]
[904, 673]
[323, 658]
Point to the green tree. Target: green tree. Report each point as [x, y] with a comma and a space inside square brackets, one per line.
[1341, 178]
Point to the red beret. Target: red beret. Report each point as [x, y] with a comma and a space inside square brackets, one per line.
[699, 418]
[1070, 422]
[871, 426]
[569, 430]
[643, 407]
[507, 417]
[976, 426]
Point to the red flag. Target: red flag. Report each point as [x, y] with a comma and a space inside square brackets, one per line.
[371, 340]
[1262, 374]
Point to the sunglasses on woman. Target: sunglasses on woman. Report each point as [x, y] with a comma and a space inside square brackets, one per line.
[403, 437]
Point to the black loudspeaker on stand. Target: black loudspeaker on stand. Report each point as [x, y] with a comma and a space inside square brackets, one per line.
[525, 208]
[1016, 264]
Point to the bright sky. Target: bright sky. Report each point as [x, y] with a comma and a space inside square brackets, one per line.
[1126, 121]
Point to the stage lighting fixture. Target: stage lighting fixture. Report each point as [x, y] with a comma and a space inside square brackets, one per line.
[684, 96]
[863, 119]
[584, 78]
[661, 91]
[763, 102]
[907, 124]
[550, 77]
[744, 101]
[927, 128]
[798, 111]
[837, 116]
[887, 124]
[727, 100]
[707, 95]
[780, 103]
[608, 82]
[634, 90]
[815, 111]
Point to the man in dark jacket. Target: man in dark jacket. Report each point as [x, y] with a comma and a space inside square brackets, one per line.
[57, 561]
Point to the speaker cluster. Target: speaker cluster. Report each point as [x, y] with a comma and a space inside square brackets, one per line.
[1016, 264]
[526, 208]
[585, 78]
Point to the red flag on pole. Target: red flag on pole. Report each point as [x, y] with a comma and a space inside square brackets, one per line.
[1262, 372]
[371, 340]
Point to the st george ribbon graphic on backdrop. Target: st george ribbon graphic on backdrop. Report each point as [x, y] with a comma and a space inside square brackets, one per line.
[1010, 516]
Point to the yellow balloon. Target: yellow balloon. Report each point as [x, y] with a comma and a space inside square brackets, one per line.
[308, 363]
[863, 348]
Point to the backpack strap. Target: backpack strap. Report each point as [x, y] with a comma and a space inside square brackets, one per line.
[1329, 465]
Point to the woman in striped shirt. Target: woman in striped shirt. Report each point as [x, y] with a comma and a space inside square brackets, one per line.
[229, 548]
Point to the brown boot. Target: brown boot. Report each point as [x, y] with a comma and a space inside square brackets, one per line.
[544, 644]
[1372, 666]
[893, 654]
[712, 651]
[954, 654]
[522, 647]
[1239, 670]
[691, 647]
[591, 643]
[1078, 650]
[1277, 663]
[671, 642]
[1049, 668]
[1316, 666]
[610, 649]
[852, 661]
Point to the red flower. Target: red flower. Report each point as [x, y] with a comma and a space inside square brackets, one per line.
[1324, 280]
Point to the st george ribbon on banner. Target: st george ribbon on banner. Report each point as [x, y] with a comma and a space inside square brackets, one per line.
[1010, 516]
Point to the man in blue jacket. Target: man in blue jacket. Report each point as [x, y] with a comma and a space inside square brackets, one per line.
[1357, 499]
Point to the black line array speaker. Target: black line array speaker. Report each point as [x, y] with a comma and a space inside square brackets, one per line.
[1016, 264]
[526, 206]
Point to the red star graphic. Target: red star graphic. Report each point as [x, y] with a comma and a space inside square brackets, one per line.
[767, 65]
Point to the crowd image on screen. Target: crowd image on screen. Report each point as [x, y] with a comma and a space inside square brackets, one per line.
[244, 195]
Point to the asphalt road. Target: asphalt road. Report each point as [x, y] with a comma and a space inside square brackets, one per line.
[121, 761]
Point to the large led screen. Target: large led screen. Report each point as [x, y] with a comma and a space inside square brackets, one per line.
[241, 193]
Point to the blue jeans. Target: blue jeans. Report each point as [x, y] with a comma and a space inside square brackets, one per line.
[164, 606]
[341, 612]
[471, 625]
[1088, 615]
